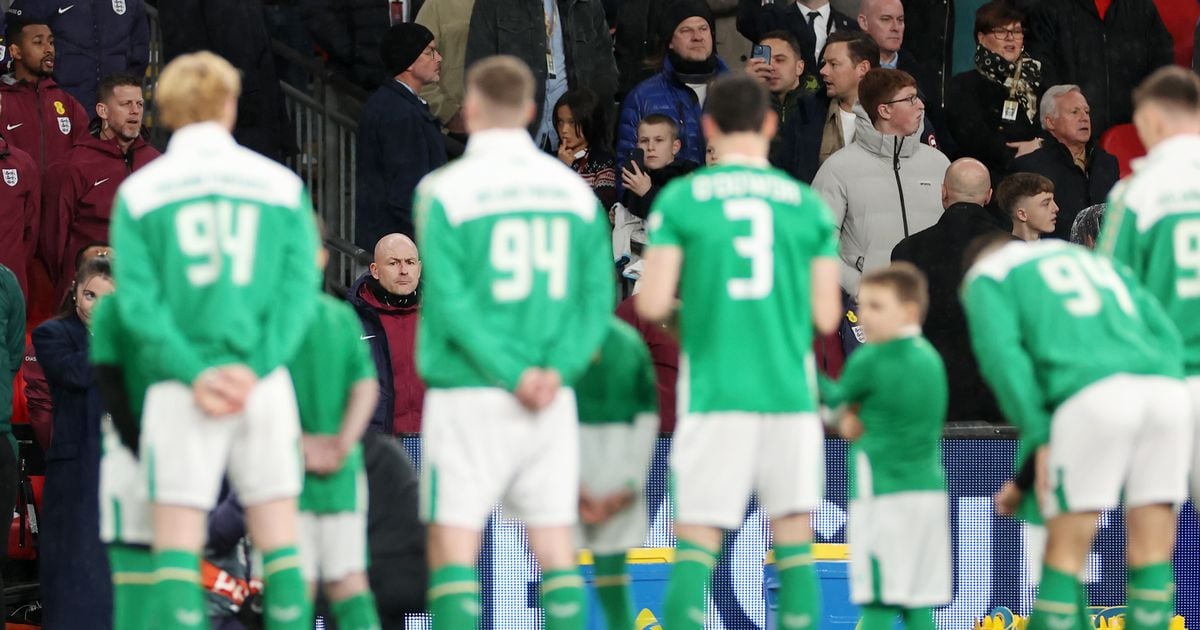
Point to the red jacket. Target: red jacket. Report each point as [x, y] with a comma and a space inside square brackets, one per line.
[664, 351]
[20, 209]
[77, 199]
[41, 119]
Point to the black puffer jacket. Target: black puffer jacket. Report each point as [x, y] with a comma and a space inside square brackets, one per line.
[350, 32]
[929, 35]
[1106, 58]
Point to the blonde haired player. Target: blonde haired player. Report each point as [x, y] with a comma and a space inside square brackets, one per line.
[210, 234]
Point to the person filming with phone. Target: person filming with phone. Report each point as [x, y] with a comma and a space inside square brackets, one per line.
[776, 61]
[652, 164]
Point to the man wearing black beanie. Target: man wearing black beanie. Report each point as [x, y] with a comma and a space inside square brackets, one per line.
[678, 90]
[399, 139]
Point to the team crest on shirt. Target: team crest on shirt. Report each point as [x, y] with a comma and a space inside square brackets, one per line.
[119, 7]
[64, 125]
[10, 176]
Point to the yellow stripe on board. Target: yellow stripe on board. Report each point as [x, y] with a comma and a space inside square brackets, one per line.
[822, 552]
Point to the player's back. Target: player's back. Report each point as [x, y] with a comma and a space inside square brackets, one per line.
[748, 236]
[1153, 226]
[217, 237]
[1080, 318]
[112, 344]
[331, 358]
[517, 266]
[619, 383]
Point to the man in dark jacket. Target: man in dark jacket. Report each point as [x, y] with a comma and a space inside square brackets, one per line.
[1105, 55]
[1083, 173]
[350, 31]
[796, 146]
[388, 303]
[399, 139]
[565, 43]
[938, 252]
[809, 21]
[21, 196]
[79, 191]
[94, 38]
[237, 31]
[678, 90]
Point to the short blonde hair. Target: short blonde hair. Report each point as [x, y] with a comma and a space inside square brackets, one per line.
[194, 88]
[502, 81]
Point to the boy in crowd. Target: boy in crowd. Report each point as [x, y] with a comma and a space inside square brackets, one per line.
[1084, 359]
[618, 418]
[899, 512]
[1029, 199]
[658, 137]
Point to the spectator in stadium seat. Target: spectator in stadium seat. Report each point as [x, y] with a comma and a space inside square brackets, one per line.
[564, 50]
[679, 88]
[450, 22]
[388, 302]
[658, 137]
[93, 39]
[79, 191]
[39, 117]
[1107, 54]
[12, 345]
[237, 31]
[883, 20]
[810, 22]
[885, 186]
[1083, 173]
[1028, 199]
[994, 113]
[938, 252]
[849, 55]
[583, 142]
[801, 116]
[21, 196]
[664, 351]
[399, 139]
[76, 590]
[350, 32]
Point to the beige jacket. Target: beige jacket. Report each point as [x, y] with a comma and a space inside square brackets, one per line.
[449, 21]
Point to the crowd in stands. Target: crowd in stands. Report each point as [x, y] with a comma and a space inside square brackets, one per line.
[922, 125]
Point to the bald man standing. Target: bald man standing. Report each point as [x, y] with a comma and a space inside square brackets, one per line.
[938, 251]
[388, 301]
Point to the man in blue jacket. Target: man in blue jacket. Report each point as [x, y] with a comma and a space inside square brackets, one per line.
[94, 38]
[399, 139]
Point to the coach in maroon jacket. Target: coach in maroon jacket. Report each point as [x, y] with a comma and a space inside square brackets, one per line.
[79, 191]
[39, 117]
[20, 205]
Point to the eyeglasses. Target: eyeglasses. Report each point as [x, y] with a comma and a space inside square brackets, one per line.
[912, 100]
[1007, 33]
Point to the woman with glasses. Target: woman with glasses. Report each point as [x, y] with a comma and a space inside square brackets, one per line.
[992, 110]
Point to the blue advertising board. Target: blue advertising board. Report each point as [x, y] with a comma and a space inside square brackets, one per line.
[989, 553]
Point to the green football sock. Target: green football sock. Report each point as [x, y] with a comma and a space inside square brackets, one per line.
[285, 595]
[799, 591]
[133, 586]
[685, 605]
[454, 597]
[563, 599]
[356, 612]
[918, 619]
[612, 587]
[1057, 605]
[1085, 618]
[180, 602]
[1151, 597]
[878, 617]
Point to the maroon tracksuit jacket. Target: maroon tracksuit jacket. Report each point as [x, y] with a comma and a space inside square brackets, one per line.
[41, 119]
[20, 204]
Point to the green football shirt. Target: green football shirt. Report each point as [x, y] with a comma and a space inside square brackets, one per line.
[1153, 225]
[620, 382]
[112, 343]
[217, 257]
[518, 266]
[901, 387]
[332, 358]
[1049, 318]
[748, 235]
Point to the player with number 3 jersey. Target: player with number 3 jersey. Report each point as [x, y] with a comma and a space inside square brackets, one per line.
[752, 254]
[212, 236]
[1076, 350]
[518, 293]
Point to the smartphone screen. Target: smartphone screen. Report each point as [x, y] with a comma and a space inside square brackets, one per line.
[763, 52]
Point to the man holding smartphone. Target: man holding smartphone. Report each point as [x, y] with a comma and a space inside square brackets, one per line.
[777, 62]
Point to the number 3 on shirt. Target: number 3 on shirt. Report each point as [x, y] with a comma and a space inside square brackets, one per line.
[521, 247]
[212, 231]
[758, 246]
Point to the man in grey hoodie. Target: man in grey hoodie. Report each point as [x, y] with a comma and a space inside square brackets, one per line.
[885, 185]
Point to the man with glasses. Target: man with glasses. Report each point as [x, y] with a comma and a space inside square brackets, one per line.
[885, 185]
